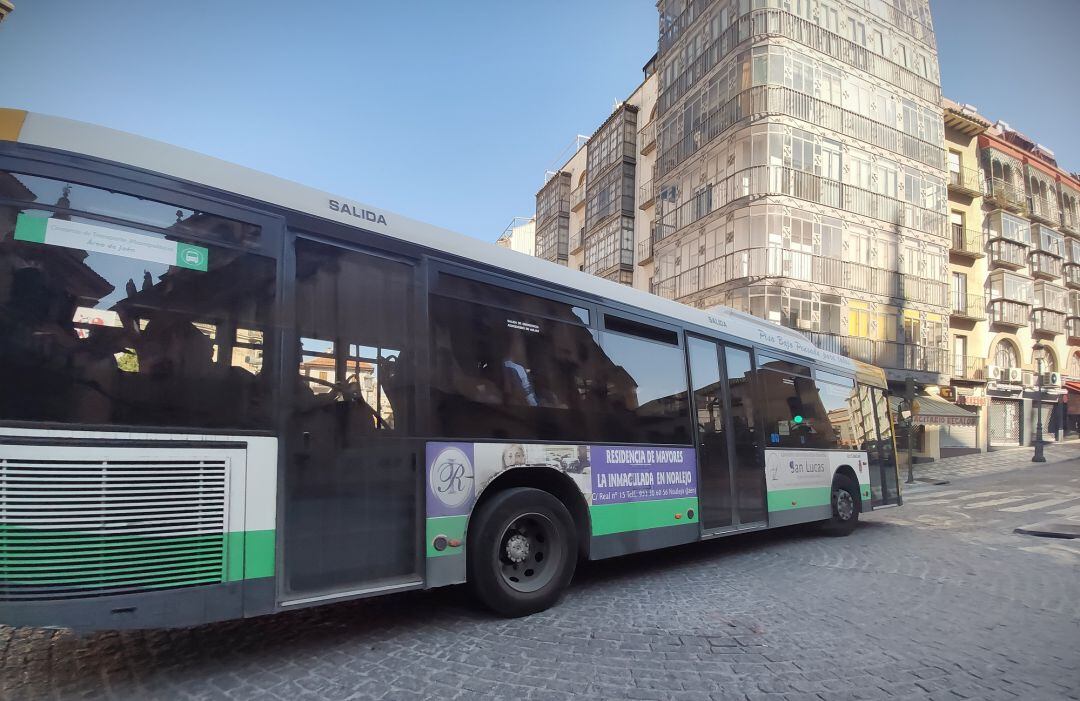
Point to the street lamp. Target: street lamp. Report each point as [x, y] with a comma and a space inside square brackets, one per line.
[1038, 352]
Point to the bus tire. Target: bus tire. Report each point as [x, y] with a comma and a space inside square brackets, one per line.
[521, 551]
[845, 507]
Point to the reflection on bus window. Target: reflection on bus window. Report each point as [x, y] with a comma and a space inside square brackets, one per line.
[505, 372]
[99, 338]
[353, 333]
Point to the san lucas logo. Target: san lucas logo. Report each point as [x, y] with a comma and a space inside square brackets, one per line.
[451, 477]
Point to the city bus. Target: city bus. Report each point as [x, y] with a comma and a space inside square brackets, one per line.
[224, 395]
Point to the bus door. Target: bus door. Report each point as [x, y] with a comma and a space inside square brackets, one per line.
[880, 446]
[731, 478]
[350, 489]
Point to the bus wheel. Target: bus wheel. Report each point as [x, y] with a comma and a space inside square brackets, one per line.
[521, 551]
[845, 507]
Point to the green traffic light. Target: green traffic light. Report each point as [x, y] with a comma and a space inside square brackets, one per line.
[798, 418]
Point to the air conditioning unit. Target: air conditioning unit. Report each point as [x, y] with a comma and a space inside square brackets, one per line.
[993, 372]
[1016, 376]
[1051, 379]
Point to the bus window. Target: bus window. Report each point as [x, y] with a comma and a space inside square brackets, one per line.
[104, 323]
[837, 397]
[512, 373]
[795, 416]
[351, 340]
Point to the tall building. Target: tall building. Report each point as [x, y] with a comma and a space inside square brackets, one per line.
[594, 212]
[1014, 278]
[795, 160]
[801, 172]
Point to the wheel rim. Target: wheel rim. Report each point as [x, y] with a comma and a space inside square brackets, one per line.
[843, 504]
[529, 552]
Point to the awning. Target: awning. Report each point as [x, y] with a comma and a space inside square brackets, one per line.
[1072, 386]
[931, 410]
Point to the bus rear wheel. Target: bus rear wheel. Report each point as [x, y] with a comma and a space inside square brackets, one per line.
[845, 507]
[521, 551]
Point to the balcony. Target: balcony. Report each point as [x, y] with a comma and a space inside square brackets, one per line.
[967, 307]
[577, 198]
[968, 367]
[644, 252]
[1005, 312]
[1045, 265]
[885, 354]
[1072, 328]
[924, 290]
[1005, 195]
[646, 196]
[967, 242]
[647, 138]
[1045, 211]
[1069, 222]
[577, 239]
[758, 181]
[966, 181]
[1008, 254]
[1048, 322]
[1072, 275]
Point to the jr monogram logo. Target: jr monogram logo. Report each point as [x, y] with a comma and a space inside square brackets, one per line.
[451, 476]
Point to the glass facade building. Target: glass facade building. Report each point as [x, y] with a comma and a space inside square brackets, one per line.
[801, 173]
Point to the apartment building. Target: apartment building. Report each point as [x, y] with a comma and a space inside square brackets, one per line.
[593, 213]
[795, 160]
[801, 172]
[1014, 278]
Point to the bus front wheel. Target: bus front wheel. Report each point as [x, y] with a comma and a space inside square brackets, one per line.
[521, 551]
[845, 507]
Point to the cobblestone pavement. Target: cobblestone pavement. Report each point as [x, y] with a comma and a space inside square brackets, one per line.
[938, 599]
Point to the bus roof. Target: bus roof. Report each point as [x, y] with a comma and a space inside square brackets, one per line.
[182, 164]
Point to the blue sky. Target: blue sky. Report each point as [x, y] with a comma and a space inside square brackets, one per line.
[449, 112]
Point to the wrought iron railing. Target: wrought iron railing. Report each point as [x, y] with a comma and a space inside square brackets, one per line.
[967, 241]
[646, 196]
[885, 354]
[647, 137]
[970, 306]
[577, 197]
[968, 367]
[1005, 194]
[968, 180]
[1044, 209]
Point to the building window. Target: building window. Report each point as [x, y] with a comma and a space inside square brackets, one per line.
[1006, 355]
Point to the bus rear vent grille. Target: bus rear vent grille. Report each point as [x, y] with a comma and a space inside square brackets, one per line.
[83, 528]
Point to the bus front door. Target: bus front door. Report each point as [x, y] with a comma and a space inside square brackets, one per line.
[731, 490]
[881, 448]
[351, 487]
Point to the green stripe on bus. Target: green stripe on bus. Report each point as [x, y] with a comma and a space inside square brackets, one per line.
[783, 499]
[254, 549]
[55, 556]
[453, 527]
[640, 515]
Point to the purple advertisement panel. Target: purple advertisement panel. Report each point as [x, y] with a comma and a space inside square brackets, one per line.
[622, 474]
[450, 479]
